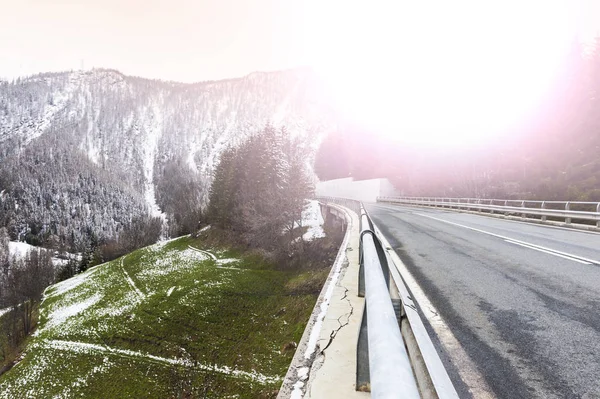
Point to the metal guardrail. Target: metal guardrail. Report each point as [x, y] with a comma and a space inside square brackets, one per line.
[390, 372]
[544, 209]
[351, 204]
[386, 362]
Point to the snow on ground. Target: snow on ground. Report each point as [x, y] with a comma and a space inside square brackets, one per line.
[60, 315]
[153, 125]
[86, 348]
[311, 217]
[210, 254]
[69, 284]
[224, 261]
[160, 244]
[131, 282]
[19, 249]
[174, 260]
[36, 127]
[72, 303]
[302, 374]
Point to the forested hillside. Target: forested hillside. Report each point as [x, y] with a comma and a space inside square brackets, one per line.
[552, 153]
[85, 155]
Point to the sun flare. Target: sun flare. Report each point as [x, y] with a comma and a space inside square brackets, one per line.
[437, 72]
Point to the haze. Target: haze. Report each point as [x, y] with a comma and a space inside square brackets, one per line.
[433, 72]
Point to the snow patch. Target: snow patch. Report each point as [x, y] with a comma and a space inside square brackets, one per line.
[69, 284]
[172, 261]
[154, 128]
[131, 282]
[86, 348]
[61, 315]
[311, 217]
[211, 255]
[226, 261]
[204, 229]
[159, 245]
[302, 374]
[20, 249]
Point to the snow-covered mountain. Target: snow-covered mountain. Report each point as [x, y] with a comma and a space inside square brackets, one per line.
[92, 151]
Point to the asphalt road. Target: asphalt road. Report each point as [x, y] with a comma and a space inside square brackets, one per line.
[523, 300]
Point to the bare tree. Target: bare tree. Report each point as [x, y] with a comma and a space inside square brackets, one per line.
[28, 279]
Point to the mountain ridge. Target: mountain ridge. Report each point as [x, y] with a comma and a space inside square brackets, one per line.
[140, 133]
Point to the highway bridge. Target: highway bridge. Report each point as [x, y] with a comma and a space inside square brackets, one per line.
[512, 308]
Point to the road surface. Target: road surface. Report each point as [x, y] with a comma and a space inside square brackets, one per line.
[523, 300]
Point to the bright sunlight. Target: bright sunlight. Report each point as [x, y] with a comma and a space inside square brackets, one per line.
[438, 72]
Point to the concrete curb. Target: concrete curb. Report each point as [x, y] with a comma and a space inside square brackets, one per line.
[324, 365]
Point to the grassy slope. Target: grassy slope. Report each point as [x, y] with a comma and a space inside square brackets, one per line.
[161, 322]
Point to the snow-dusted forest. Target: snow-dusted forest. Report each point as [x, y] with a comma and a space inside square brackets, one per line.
[84, 155]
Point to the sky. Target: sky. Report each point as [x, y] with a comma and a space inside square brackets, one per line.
[448, 66]
[180, 40]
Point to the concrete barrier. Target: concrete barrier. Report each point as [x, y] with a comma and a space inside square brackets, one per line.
[324, 365]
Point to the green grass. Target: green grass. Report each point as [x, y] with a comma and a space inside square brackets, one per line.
[166, 321]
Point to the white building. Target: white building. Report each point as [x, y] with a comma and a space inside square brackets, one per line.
[361, 190]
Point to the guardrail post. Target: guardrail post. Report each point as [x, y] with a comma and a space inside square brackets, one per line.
[365, 225]
[568, 208]
[361, 273]
[543, 206]
[598, 211]
[523, 215]
[363, 374]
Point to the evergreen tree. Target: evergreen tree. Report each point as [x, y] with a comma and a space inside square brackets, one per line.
[260, 187]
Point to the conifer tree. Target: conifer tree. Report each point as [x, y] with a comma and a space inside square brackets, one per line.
[259, 188]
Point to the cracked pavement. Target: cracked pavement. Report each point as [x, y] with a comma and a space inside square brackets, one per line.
[331, 371]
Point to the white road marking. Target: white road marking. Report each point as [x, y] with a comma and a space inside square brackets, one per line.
[548, 252]
[561, 254]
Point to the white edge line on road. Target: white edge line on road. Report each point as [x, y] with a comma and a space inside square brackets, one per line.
[524, 243]
[467, 370]
[548, 252]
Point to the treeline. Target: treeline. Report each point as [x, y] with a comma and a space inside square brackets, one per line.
[53, 197]
[552, 153]
[259, 190]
